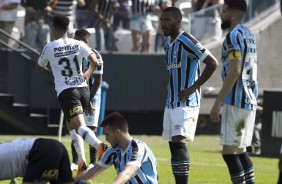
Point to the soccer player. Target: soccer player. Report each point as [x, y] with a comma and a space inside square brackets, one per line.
[37, 160]
[238, 95]
[91, 119]
[65, 57]
[183, 57]
[133, 159]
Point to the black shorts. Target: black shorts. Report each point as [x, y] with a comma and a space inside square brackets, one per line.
[48, 160]
[73, 101]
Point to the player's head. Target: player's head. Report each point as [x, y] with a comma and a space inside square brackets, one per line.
[232, 11]
[171, 20]
[115, 125]
[60, 24]
[83, 35]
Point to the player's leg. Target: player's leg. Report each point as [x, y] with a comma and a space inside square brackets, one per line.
[70, 104]
[246, 140]
[92, 122]
[236, 133]
[180, 123]
[86, 133]
[77, 148]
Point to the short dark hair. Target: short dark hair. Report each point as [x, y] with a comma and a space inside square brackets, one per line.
[237, 4]
[81, 34]
[61, 22]
[174, 10]
[115, 121]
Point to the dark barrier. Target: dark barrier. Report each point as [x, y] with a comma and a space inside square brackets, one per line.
[271, 134]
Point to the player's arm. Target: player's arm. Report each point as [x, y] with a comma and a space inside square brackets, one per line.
[211, 65]
[39, 68]
[95, 86]
[93, 65]
[42, 59]
[91, 173]
[231, 77]
[126, 174]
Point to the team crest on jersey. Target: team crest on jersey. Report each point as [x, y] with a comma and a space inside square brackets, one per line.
[199, 46]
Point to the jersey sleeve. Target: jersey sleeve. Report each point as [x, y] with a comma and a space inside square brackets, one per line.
[194, 47]
[43, 59]
[233, 41]
[108, 159]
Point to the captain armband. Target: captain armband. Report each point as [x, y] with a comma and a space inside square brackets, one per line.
[235, 54]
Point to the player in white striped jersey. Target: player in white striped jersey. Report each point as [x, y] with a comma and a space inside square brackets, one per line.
[65, 56]
[183, 57]
[95, 81]
[238, 95]
[133, 160]
[37, 160]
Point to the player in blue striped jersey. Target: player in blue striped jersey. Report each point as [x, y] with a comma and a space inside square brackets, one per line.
[133, 160]
[183, 57]
[238, 93]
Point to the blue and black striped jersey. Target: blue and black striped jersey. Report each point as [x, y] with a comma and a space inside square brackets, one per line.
[183, 57]
[137, 153]
[244, 92]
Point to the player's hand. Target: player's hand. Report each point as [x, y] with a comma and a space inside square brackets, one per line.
[214, 114]
[184, 94]
[89, 109]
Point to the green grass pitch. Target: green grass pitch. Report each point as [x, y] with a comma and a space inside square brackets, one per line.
[207, 165]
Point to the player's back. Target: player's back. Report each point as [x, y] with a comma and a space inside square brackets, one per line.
[65, 57]
[13, 157]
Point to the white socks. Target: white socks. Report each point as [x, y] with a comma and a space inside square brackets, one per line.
[89, 136]
[78, 144]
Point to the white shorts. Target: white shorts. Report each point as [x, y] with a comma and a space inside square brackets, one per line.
[180, 121]
[237, 126]
[93, 120]
[141, 24]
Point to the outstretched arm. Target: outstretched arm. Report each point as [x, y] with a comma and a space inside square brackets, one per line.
[91, 173]
[126, 174]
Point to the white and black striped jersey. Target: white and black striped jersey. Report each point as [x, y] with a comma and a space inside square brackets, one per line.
[65, 56]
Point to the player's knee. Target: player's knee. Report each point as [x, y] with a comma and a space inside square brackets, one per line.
[180, 162]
